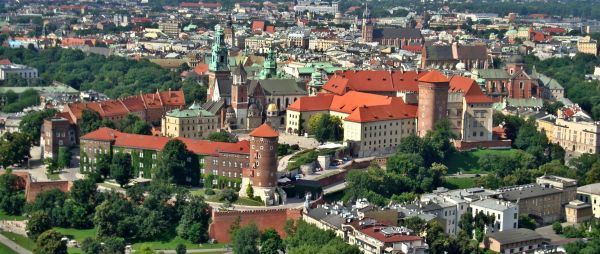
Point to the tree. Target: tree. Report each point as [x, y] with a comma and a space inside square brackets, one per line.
[557, 227]
[171, 166]
[466, 224]
[193, 225]
[90, 121]
[64, 157]
[222, 136]
[411, 144]
[406, 164]
[270, 242]
[84, 192]
[10, 201]
[91, 246]
[114, 245]
[526, 222]
[249, 191]
[120, 168]
[14, 148]
[134, 125]
[50, 242]
[245, 239]
[103, 163]
[180, 249]
[325, 127]
[38, 224]
[416, 224]
[32, 122]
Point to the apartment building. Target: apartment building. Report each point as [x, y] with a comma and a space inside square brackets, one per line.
[19, 70]
[590, 194]
[538, 201]
[587, 45]
[519, 240]
[372, 237]
[506, 213]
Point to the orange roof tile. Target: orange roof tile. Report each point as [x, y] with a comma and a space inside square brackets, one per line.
[434, 77]
[315, 103]
[472, 92]
[213, 148]
[102, 134]
[258, 25]
[201, 69]
[264, 131]
[5, 61]
[397, 109]
[373, 81]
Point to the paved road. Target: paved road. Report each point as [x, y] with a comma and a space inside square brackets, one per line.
[13, 245]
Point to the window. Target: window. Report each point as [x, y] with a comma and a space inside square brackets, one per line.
[141, 165]
[141, 154]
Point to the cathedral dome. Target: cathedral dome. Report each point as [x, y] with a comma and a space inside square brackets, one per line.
[272, 108]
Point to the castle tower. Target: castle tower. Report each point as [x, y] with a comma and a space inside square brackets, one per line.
[273, 117]
[262, 172]
[367, 25]
[270, 66]
[218, 67]
[239, 94]
[433, 100]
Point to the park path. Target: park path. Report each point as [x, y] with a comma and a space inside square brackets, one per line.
[14, 246]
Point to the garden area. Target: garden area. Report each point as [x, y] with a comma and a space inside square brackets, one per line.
[468, 162]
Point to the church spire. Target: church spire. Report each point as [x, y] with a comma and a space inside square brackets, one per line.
[219, 60]
[270, 66]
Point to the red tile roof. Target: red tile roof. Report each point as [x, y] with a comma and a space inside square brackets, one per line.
[157, 143]
[5, 61]
[213, 148]
[413, 48]
[270, 29]
[471, 91]
[360, 107]
[201, 69]
[315, 103]
[374, 232]
[434, 77]
[129, 104]
[102, 134]
[397, 109]
[258, 25]
[264, 131]
[373, 81]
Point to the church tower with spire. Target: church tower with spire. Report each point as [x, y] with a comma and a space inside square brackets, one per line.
[367, 25]
[270, 66]
[218, 67]
[229, 32]
[239, 94]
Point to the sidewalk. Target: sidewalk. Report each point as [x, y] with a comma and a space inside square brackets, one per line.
[10, 244]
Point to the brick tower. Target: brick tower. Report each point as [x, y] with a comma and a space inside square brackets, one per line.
[367, 26]
[433, 100]
[262, 171]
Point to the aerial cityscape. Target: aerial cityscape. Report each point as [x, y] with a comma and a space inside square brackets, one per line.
[300, 127]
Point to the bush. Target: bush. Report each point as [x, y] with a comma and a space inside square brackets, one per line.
[557, 227]
[228, 195]
[209, 192]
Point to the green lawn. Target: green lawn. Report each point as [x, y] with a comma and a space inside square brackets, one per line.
[459, 182]
[20, 240]
[53, 177]
[171, 245]
[248, 202]
[5, 250]
[77, 234]
[467, 162]
[4, 216]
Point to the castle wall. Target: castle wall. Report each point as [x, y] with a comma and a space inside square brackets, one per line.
[264, 219]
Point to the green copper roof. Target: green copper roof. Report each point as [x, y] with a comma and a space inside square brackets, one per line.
[180, 113]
